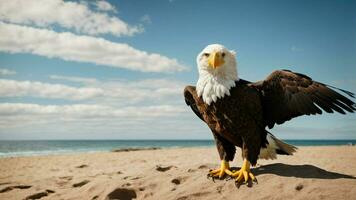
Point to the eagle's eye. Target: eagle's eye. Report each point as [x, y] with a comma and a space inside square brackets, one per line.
[223, 54]
[206, 54]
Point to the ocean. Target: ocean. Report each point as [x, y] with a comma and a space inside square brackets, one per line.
[49, 147]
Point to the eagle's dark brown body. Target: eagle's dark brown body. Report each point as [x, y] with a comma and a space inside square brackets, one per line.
[234, 127]
[241, 118]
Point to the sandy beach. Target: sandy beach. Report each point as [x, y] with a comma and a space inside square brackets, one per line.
[180, 174]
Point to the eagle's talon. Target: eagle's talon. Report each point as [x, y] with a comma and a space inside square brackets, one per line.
[213, 179]
[237, 184]
[244, 175]
[208, 176]
[221, 172]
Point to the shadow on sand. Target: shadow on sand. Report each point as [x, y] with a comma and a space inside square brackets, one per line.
[299, 171]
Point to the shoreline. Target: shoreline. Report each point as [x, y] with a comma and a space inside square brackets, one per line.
[180, 173]
[117, 150]
[67, 147]
[125, 149]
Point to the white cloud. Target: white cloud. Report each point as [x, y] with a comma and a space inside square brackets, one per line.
[67, 14]
[97, 121]
[110, 109]
[73, 79]
[12, 88]
[7, 72]
[86, 111]
[108, 92]
[68, 46]
[113, 108]
[104, 6]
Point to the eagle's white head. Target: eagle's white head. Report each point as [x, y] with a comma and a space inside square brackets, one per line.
[217, 68]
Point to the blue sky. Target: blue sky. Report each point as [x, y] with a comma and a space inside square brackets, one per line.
[116, 69]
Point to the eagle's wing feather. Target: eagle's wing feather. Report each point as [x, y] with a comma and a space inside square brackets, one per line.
[225, 148]
[286, 94]
[189, 94]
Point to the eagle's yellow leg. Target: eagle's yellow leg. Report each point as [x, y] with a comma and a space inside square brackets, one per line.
[244, 173]
[219, 173]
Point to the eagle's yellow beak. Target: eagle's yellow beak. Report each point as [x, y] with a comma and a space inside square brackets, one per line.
[215, 60]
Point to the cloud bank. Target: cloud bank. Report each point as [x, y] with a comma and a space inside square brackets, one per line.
[71, 47]
[94, 90]
[67, 14]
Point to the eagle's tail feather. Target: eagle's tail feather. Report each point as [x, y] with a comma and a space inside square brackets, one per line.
[276, 146]
[284, 148]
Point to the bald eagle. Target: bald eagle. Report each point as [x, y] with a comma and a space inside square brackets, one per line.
[238, 111]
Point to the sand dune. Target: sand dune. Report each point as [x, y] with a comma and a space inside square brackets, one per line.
[180, 174]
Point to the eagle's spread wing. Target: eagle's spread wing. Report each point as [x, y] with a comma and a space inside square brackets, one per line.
[190, 96]
[286, 94]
